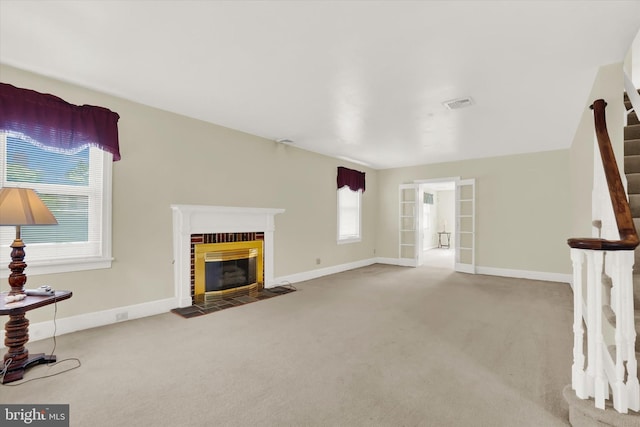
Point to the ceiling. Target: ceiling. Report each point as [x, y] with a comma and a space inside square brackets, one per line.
[364, 81]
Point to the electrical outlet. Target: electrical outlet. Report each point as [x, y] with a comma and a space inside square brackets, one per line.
[318, 261]
[122, 316]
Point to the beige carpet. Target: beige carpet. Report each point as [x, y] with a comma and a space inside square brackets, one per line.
[376, 346]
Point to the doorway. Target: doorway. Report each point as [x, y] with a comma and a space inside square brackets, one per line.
[438, 224]
[413, 234]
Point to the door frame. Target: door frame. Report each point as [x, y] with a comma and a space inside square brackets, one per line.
[456, 180]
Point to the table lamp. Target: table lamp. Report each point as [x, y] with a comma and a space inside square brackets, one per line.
[18, 207]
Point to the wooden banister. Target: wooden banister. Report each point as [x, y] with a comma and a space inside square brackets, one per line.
[621, 210]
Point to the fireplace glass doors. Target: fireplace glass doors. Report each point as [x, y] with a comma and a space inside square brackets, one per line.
[226, 268]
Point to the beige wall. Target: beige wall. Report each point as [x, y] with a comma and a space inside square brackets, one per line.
[171, 159]
[522, 207]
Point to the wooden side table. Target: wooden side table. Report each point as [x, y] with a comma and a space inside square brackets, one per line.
[17, 335]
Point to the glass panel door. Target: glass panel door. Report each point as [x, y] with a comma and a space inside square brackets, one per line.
[465, 226]
[409, 224]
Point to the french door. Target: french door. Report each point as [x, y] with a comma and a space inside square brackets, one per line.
[411, 218]
[465, 226]
[410, 248]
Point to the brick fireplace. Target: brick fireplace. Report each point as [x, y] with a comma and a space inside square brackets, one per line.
[193, 223]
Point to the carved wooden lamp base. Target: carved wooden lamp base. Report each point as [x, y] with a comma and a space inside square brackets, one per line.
[17, 278]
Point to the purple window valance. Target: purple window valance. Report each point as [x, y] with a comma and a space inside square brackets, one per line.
[352, 178]
[51, 122]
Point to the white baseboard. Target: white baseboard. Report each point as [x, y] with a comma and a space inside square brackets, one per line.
[314, 274]
[402, 262]
[65, 325]
[525, 274]
[406, 262]
[465, 268]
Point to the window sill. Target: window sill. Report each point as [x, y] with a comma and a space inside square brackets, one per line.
[35, 268]
[347, 241]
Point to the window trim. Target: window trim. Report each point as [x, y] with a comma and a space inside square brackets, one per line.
[351, 239]
[73, 263]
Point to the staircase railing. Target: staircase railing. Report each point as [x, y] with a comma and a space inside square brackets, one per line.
[603, 300]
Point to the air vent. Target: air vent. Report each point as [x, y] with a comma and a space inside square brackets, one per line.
[456, 104]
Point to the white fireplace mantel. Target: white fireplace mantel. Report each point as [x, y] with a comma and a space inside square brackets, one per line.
[196, 219]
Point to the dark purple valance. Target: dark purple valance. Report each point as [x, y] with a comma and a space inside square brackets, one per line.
[51, 122]
[353, 178]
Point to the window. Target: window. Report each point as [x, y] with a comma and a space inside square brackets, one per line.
[349, 215]
[351, 185]
[76, 188]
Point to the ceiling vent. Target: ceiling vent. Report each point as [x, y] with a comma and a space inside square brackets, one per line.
[456, 104]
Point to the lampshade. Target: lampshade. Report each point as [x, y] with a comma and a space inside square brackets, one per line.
[22, 206]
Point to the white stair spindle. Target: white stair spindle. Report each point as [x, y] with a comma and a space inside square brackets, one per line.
[590, 374]
[577, 370]
[619, 388]
[601, 389]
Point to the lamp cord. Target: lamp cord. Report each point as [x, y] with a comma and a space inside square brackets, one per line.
[7, 362]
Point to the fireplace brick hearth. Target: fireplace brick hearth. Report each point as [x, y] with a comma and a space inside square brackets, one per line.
[232, 301]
